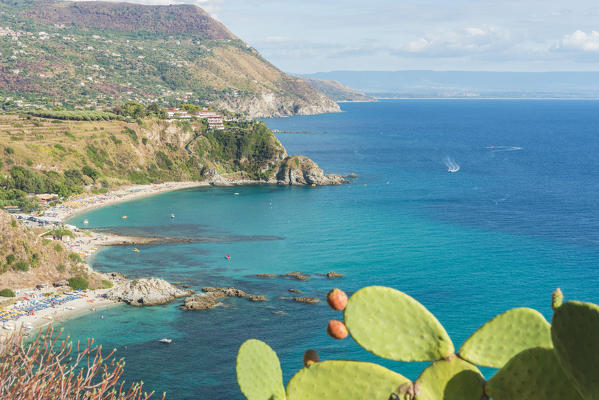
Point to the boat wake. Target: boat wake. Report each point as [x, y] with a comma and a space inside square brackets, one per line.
[504, 148]
[451, 165]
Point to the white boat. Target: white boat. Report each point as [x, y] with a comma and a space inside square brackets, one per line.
[85, 222]
[173, 216]
[165, 340]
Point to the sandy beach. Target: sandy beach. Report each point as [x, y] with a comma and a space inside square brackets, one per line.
[86, 243]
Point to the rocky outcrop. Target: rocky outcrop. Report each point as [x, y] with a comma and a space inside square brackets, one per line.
[334, 275]
[310, 300]
[211, 296]
[146, 292]
[266, 275]
[297, 275]
[269, 104]
[300, 170]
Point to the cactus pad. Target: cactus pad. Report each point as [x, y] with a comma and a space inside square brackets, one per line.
[393, 325]
[534, 374]
[344, 380]
[259, 372]
[506, 335]
[574, 333]
[453, 379]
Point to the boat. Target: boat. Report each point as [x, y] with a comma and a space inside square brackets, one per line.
[135, 249]
[172, 216]
[165, 340]
[124, 217]
[85, 222]
[228, 257]
[236, 194]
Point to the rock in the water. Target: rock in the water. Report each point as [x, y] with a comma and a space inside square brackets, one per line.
[311, 300]
[298, 275]
[203, 301]
[300, 170]
[225, 292]
[61, 283]
[146, 292]
[333, 275]
[209, 299]
[266, 275]
[258, 298]
[295, 291]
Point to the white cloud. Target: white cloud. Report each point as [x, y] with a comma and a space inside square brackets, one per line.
[580, 41]
[457, 42]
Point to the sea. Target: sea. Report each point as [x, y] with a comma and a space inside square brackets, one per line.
[472, 207]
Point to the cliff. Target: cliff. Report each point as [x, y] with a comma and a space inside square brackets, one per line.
[338, 91]
[94, 54]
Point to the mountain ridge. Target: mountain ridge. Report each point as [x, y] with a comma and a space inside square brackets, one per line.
[97, 54]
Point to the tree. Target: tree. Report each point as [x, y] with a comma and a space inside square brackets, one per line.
[89, 171]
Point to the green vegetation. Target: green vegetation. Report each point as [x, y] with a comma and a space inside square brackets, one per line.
[76, 258]
[76, 115]
[58, 247]
[106, 284]
[78, 282]
[61, 268]
[535, 360]
[7, 293]
[59, 233]
[21, 266]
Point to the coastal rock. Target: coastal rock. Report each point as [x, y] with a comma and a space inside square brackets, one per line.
[210, 296]
[300, 170]
[258, 298]
[201, 301]
[298, 275]
[146, 292]
[225, 292]
[334, 275]
[266, 275]
[62, 283]
[294, 291]
[311, 300]
[352, 176]
[116, 277]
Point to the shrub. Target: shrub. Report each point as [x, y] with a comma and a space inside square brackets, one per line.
[47, 368]
[61, 268]
[21, 266]
[78, 282]
[13, 223]
[9, 150]
[10, 259]
[7, 293]
[76, 258]
[106, 284]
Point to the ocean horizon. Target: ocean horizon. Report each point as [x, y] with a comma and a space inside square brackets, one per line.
[516, 218]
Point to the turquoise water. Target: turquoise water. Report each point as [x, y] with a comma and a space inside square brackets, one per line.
[519, 219]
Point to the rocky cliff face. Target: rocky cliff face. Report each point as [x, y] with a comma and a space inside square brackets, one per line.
[300, 170]
[270, 104]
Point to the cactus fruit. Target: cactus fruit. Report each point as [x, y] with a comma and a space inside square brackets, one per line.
[534, 374]
[393, 325]
[259, 372]
[452, 379]
[337, 299]
[506, 335]
[311, 357]
[574, 332]
[344, 380]
[336, 329]
[557, 299]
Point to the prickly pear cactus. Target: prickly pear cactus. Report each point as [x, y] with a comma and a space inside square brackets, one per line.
[259, 372]
[574, 332]
[453, 379]
[506, 335]
[534, 374]
[344, 380]
[393, 325]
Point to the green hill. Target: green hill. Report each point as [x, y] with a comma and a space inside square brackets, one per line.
[96, 54]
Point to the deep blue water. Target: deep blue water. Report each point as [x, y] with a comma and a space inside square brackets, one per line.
[519, 219]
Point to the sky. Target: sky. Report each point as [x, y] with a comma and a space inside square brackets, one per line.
[482, 35]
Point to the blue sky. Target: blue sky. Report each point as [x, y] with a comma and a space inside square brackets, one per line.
[323, 35]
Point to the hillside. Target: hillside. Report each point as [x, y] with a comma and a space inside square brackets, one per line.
[26, 259]
[338, 91]
[97, 54]
[41, 155]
